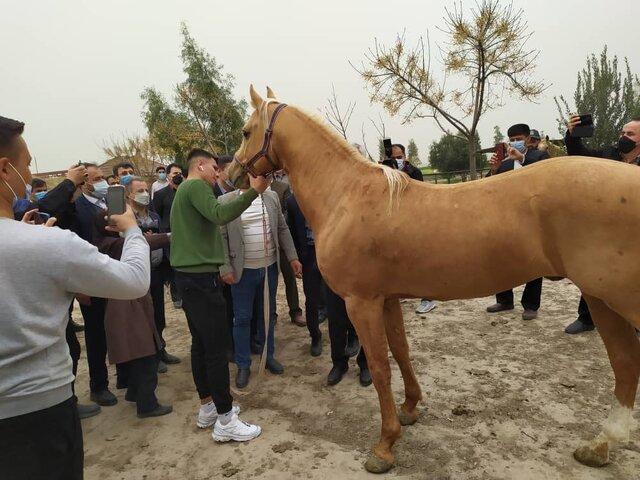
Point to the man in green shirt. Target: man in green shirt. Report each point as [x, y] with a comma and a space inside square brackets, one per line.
[197, 251]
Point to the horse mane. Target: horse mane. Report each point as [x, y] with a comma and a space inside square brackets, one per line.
[397, 181]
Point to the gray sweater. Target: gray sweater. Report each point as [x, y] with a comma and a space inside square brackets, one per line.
[40, 270]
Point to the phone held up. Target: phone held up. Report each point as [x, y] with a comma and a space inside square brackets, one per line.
[585, 128]
[40, 218]
[388, 149]
[115, 200]
[501, 151]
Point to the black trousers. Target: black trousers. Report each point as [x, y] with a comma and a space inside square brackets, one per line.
[43, 445]
[291, 286]
[73, 343]
[228, 298]
[206, 311]
[312, 286]
[156, 289]
[96, 343]
[530, 296]
[340, 330]
[140, 376]
[583, 312]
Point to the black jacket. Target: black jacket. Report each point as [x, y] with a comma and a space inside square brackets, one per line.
[575, 147]
[58, 202]
[532, 155]
[162, 201]
[297, 226]
[408, 168]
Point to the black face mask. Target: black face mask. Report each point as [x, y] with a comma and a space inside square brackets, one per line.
[177, 180]
[625, 144]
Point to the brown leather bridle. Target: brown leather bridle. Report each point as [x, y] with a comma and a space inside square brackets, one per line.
[264, 151]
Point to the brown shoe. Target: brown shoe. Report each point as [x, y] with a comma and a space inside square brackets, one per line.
[500, 307]
[529, 314]
[298, 320]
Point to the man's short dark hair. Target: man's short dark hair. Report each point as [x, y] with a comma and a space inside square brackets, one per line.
[122, 165]
[174, 165]
[199, 153]
[224, 160]
[9, 130]
[37, 183]
[400, 146]
[519, 129]
[161, 167]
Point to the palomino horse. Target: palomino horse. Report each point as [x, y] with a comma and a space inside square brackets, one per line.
[570, 217]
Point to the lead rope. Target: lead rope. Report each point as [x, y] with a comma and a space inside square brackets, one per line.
[266, 308]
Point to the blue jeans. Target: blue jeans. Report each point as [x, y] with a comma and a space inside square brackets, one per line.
[250, 288]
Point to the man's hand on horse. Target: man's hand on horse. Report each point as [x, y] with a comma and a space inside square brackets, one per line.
[297, 268]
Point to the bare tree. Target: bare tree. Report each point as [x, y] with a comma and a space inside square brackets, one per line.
[487, 52]
[141, 151]
[337, 117]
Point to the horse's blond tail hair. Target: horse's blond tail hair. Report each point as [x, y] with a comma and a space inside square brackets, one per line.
[397, 183]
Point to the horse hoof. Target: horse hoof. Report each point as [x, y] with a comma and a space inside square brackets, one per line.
[593, 455]
[407, 418]
[377, 465]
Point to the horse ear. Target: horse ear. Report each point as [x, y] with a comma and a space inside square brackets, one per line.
[270, 93]
[256, 100]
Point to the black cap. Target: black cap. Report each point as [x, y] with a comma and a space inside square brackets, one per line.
[535, 134]
[519, 129]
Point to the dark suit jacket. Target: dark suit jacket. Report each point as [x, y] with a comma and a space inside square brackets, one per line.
[162, 201]
[575, 147]
[297, 225]
[531, 156]
[58, 202]
[284, 192]
[86, 213]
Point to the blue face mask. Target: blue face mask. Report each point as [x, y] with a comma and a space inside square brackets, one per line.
[519, 145]
[100, 190]
[162, 177]
[40, 195]
[125, 180]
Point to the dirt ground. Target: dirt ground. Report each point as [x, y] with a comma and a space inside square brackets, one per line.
[503, 399]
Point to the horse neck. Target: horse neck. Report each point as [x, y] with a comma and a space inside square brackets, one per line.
[321, 167]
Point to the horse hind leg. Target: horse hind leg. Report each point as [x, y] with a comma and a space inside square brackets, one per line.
[623, 349]
[397, 338]
[367, 318]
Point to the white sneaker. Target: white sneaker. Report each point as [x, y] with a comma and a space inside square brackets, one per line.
[236, 430]
[426, 306]
[208, 415]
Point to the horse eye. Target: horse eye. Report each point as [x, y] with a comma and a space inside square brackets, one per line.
[245, 134]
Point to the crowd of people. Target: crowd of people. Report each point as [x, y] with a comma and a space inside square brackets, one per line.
[219, 248]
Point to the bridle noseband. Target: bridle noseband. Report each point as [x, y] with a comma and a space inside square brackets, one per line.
[248, 167]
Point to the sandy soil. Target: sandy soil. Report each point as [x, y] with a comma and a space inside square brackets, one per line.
[504, 399]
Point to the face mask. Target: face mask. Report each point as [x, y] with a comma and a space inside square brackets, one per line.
[625, 144]
[141, 198]
[177, 180]
[162, 177]
[400, 163]
[125, 180]
[27, 187]
[40, 195]
[100, 190]
[519, 145]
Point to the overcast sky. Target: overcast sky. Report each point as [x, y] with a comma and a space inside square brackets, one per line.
[74, 70]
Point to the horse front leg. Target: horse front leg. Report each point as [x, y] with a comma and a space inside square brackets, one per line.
[397, 338]
[367, 318]
[623, 349]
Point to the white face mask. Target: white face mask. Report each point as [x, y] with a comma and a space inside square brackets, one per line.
[400, 163]
[142, 198]
[100, 190]
[27, 187]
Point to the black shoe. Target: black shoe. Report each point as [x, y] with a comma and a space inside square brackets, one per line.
[76, 327]
[579, 327]
[365, 377]
[104, 398]
[162, 367]
[500, 307]
[336, 374]
[89, 410]
[168, 358]
[157, 412]
[242, 377]
[274, 366]
[353, 347]
[316, 347]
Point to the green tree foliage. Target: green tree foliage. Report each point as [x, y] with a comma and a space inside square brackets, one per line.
[412, 152]
[498, 136]
[607, 90]
[205, 112]
[450, 154]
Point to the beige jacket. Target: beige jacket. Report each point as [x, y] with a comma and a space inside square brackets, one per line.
[232, 235]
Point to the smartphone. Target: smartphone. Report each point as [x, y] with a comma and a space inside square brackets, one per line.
[40, 218]
[585, 128]
[387, 147]
[115, 200]
[501, 151]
